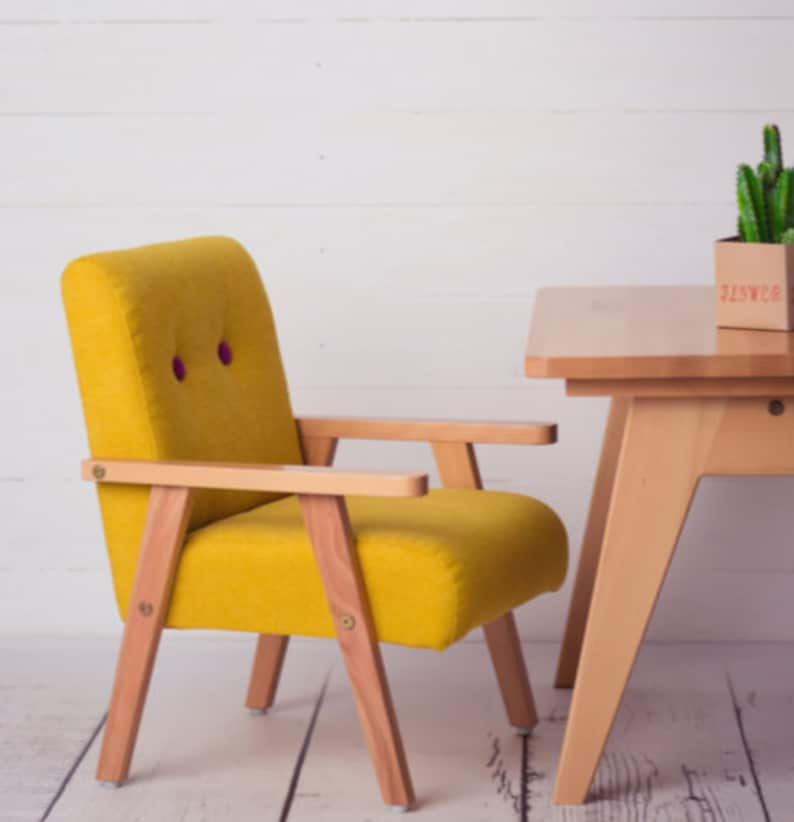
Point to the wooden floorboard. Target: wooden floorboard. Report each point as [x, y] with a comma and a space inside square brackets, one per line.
[762, 681]
[201, 755]
[705, 734]
[675, 752]
[465, 762]
[53, 693]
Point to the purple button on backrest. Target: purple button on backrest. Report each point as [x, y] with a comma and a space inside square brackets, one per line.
[224, 352]
[178, 367]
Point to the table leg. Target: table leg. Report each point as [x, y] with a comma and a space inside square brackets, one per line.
[660, 463]
[591, 545]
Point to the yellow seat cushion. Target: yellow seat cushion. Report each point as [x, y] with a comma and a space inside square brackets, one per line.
[434, 567]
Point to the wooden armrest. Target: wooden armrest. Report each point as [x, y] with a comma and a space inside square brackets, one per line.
[284, 479]
[514, 433]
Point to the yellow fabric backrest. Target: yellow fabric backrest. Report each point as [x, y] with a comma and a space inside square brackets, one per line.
[177, 358]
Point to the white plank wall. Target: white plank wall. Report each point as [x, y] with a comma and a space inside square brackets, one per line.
[406, 174]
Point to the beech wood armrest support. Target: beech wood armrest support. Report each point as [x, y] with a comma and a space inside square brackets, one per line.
[320, 491]
[286, 479]
[508, 433]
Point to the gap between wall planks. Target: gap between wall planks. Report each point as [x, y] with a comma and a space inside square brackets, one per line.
[436, 171]
[676, 753]
[536, 47]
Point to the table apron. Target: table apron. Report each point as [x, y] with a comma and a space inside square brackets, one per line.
[771, 388]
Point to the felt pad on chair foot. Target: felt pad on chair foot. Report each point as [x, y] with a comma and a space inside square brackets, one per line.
[257, 711]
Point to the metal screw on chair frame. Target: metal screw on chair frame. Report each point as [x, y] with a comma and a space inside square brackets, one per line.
[348, 621]
[98, 471]
[145, 608]
[776, 408]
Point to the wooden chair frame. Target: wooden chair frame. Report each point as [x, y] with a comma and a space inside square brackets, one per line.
[321, 491]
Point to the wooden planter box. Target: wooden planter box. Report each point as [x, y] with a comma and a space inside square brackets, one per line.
[755, 284]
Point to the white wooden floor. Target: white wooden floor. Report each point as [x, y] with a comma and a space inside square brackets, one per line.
[706, 732]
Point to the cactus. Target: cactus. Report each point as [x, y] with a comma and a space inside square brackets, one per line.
[773, 153]
[766, 179]
[788, 218]
[783, 205]
[765, 174]
[788, 236]
[765, 197]
[752, 210]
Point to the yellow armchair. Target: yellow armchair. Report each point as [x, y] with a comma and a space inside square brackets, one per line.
[220, 508]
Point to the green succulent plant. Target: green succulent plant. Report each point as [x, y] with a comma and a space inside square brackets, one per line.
[766, 196]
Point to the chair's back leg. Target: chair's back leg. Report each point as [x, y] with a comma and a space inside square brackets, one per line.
[268, 661]
[457, 466]
[163, 537]
[329, 529]
[271, 649]
[508, 662]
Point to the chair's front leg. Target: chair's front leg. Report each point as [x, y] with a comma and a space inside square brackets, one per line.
[270, 648]
[332, 539]
[163, 537]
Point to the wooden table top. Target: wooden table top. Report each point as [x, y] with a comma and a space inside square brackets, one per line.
[646, 332]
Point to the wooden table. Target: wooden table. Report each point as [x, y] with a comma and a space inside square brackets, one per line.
[688, 399]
